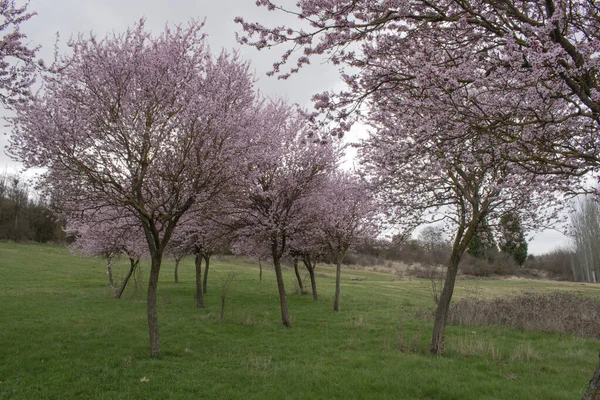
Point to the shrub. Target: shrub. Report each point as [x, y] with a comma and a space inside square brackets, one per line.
[470, 265]
[556, 263]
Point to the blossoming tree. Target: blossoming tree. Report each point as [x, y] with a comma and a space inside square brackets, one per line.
[421, 177]
[530, 67]
[108, 234]
[17, 64]
[346, 215]
[150, 125]
[290, 168]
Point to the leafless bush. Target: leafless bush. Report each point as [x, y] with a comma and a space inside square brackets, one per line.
[557, 264]
[301, 290]
[501, 264]
[557, 312]
[363, 259]
[359, 322]
[371, 253]
[406, 344]
[475, 266]
[433, 273]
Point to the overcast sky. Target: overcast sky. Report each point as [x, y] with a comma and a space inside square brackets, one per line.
[71, 17]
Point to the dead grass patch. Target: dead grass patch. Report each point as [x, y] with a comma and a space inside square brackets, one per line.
[552, 312]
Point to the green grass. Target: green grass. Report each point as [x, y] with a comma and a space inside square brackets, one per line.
[62, 336]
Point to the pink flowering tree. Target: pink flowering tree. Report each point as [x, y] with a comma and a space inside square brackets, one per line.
[108, 234]
[214, 238]
[17, 64]
[188, 239]
[342, 213]
[107, 247]
[348, 216]
[202, 237]
[252, 247]
[527, 69]
[421, 178]
[178, 249]
[309, 247]
[150, 125]
[292, 165]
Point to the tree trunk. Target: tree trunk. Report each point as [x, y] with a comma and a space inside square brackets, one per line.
[132, 265]
[111, 281]
[298, 275]
[206, 265]
[313, 284]
[152, 311]
[260, 271]
[199, 297]
[593, 390]
[285, 315]
[463, 237]
[177, 270]
[338, 276]
[310, 267]
[443, 306]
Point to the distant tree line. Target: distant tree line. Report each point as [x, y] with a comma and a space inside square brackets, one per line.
[24, 216]
[502, 254]
[432, 246]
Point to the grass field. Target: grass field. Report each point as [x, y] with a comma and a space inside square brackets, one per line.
[62, 336]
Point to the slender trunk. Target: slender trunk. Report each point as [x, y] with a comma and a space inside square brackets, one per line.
[463, 237]
[593, 390]
[285, 315]
[298, 275]
[579, 276]
[177, 270]
[260, 271]
[592, 245]
[586, 263]
[206, 265]
[111, 281]
[199, 297]
[152, 311]
[132, 265]
[338, 276]
[137, 281]
[310, 267]
[443, 306]
[313, 284]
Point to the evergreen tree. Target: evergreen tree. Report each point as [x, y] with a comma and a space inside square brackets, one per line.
[513, 240]
[482, 244]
